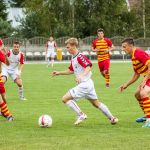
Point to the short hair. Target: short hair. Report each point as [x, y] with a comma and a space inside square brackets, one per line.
[17, 43]
[128, 40]
[72, 41]
[100, 30]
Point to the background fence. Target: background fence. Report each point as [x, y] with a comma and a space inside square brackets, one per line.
[34, 48]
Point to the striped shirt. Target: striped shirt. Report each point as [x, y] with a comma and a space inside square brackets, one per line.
[140, 59]
[102, 45]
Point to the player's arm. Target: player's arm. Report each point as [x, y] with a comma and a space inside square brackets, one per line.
[129, 82]
[93, 47]
[5, 54]
[146, 77]
[111, 48]
[66, 72]
[86, 71]
[20, 66]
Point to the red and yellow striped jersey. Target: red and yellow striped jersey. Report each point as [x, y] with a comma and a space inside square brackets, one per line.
[140, 59]
[2, 60]
[102, 45]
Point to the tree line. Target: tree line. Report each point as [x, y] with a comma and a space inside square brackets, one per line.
[79, 18]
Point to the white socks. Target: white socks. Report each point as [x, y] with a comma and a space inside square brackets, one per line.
[105, 111]
[20, 91]
[72, 104]
[52, 62]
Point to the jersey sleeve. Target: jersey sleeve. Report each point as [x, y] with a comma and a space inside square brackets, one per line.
[8, 53]
[84, 61]
[2, 57]
[142, 57]
[108, 42]
[46, 45]
[70, 67]
[94, 44]
[54, 44]
[21, 58]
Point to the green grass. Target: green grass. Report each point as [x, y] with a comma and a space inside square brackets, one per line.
[44, 97]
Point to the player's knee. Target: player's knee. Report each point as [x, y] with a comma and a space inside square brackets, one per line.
[143, 94]
[95, 104]
[64, 100]
[137, 95]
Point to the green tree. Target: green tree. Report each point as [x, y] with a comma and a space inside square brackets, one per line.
[3, 13]
[17, 3]
[5, 29]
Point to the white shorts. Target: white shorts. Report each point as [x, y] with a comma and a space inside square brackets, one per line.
[50, 54]
[12, 73]
[84, 90]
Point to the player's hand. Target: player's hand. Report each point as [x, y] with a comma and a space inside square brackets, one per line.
[142, 85]
[106, 51]
[55, 73]
[78, 79]
[19, 72]
[4, 51]
[96, 50]
[123, 87]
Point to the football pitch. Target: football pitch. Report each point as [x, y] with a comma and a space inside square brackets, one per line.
[44, 95]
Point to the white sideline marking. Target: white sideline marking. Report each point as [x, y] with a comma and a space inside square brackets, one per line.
[67, 62]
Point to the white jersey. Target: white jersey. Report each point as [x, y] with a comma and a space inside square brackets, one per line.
[14, 60]
[51, 46]
[78, 65]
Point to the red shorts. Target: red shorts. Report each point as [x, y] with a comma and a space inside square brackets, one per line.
[148, 82]
[2, 88]
[104, 65]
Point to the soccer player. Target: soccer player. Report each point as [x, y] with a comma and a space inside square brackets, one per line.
[141, 65]
[103, 46]
[50, 51]
[3, 106]
[81, 67]
[14, 70]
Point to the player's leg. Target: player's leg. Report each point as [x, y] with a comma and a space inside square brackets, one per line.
[5, 75]
[69, 100]
[101, 68]
[3, 106]
[106, 67]
[18, 81]
[92, 97]
[52, 61]
[140, 101]
[144, 94]
[105, 110]
[48, 58]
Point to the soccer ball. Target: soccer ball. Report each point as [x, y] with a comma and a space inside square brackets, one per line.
[45, 121]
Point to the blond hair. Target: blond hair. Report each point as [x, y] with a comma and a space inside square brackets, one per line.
[72, 41]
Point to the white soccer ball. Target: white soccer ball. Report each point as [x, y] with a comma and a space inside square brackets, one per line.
[45, 121]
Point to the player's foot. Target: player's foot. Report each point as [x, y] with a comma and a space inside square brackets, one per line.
[142, 119]
[47, 66]
[114, 120]
[80, 118]
[23, 99]
[10, 118]
[146, 125]
[107, 85]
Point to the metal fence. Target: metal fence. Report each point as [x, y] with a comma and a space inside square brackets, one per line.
[34, 48]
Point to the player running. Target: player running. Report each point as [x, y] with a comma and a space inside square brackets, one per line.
[14, 70]
[141, 65]
[103, 46]
[81, 67]
[3, 106]
[50, 51]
